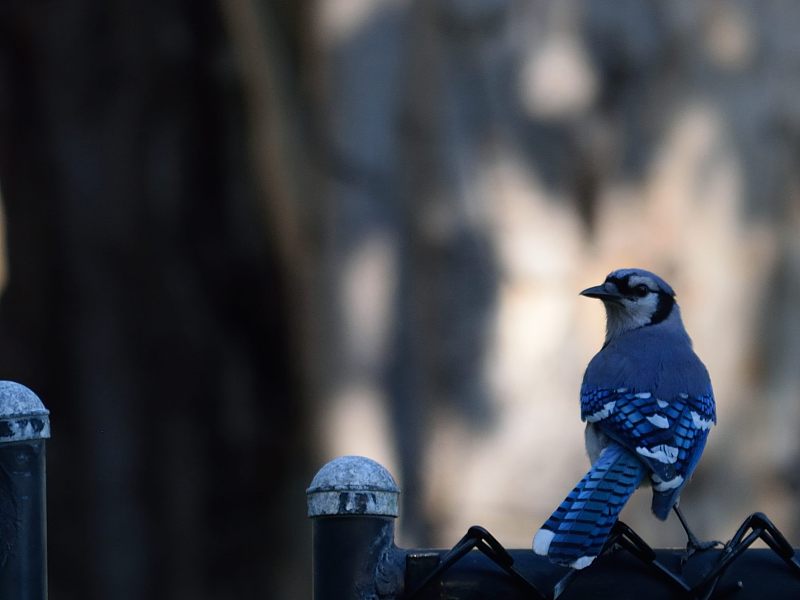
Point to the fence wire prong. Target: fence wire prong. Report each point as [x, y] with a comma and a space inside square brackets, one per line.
[353, 503]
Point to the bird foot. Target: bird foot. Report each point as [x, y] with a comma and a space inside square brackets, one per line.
[694, 546]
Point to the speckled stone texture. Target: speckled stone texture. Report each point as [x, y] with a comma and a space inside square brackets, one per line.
[352, 485]
[22, 414]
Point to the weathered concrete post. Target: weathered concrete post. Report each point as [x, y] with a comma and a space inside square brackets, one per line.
[353, 504]
[24, 427]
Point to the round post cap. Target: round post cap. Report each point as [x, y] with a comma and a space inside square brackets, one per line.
[22, 414]
[352, 485]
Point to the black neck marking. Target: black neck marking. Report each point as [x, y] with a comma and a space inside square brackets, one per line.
[664, 308]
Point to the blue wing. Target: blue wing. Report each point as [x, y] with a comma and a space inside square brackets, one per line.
[667, 434]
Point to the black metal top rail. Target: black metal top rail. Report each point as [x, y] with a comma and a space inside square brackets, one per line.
[353, 503]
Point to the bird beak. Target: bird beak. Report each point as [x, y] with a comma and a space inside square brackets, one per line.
[602, 292]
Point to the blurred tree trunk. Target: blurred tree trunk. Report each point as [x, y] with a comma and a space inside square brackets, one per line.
[147, 302]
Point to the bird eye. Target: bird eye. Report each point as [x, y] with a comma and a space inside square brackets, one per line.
[641, 290]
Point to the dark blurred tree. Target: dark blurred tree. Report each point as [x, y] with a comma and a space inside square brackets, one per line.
[147, 301]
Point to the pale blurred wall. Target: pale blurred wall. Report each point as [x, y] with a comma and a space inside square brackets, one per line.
[484, 161]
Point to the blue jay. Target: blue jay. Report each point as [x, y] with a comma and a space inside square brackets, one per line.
[648, 405]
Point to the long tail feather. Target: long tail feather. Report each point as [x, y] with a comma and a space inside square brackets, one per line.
[575, 533]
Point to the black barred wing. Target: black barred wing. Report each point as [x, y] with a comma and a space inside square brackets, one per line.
[666, 433]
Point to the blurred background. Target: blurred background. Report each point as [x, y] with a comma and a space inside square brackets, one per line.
[244, 237]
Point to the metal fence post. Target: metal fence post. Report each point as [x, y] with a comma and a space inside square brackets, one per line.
[24, 426]
[352, 502]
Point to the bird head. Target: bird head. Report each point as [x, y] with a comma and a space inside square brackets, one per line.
[633, 298]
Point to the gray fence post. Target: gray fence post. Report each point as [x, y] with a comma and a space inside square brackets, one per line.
[352, 502]
[24, 426]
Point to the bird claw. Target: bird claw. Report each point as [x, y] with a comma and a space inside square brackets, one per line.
[694, 546]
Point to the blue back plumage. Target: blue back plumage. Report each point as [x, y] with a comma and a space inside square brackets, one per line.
[657, 358]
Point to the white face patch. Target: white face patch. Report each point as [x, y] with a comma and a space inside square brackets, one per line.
[662, 453]
[632, 299]
[640, 310]
[630, 313]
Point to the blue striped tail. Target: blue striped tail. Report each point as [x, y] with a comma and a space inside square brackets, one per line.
[577, 530]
